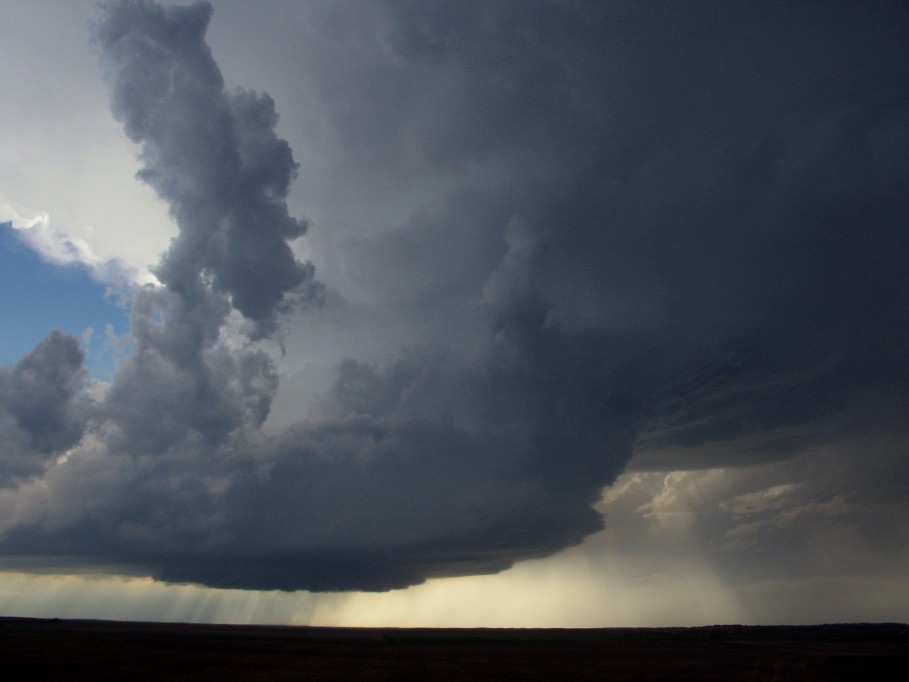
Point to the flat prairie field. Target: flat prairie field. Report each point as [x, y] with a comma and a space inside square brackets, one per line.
[106, 650]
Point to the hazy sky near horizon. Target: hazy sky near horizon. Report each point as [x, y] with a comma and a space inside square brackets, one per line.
[455, 313]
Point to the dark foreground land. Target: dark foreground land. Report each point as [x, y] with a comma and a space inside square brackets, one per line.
[98, 650]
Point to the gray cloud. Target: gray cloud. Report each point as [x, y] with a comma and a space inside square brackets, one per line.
[42, 410]
[212, 155]
[601, 235]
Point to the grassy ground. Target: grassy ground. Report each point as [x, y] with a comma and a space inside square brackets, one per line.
[98, 650]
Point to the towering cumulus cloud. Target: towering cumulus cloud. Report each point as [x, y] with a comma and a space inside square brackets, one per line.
[214, 158]
[212, 155]
[598, 255]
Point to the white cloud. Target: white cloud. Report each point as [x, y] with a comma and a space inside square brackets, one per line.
[57, 247]
[63, 153]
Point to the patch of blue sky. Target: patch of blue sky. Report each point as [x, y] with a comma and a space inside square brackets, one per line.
[36, 296]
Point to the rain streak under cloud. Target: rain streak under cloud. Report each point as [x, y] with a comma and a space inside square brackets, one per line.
[553, 243]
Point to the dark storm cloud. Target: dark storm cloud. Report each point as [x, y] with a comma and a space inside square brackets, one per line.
[733, 195]
[174, 387]
[674, 233]
[474, 462]
[212, 155]
[42, 411]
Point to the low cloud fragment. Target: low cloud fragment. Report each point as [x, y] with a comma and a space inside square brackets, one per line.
[652, 273]
[42, 409]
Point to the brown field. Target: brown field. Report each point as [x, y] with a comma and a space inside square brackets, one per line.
[98, 650]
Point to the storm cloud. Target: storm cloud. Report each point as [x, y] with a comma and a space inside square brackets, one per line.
[212, 155]
[42, 409]
[568, 239]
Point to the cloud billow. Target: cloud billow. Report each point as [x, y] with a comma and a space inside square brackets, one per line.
[672, 262]
[212, 155]
[42, 409]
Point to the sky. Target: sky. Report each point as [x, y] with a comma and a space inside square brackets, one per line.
[537, 313]
[94, 312]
